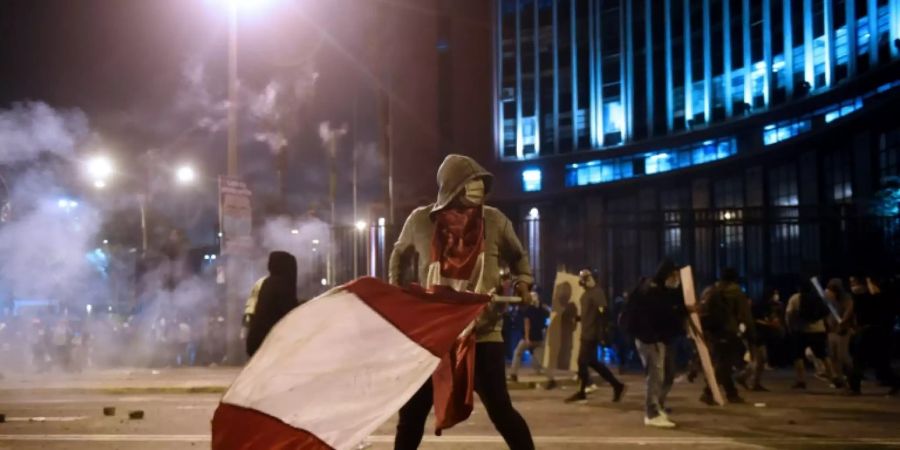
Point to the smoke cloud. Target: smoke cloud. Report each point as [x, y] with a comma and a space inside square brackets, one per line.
[32, 128]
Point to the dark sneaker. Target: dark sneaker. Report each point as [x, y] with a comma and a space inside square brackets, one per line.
[513, 378]
[800, 385]
[759, 388]
[838, 383]
[619, 392]
[707, 398]
[578, 397]
[552, 384]
[736, 399]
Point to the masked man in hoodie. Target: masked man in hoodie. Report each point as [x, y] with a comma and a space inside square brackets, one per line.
[460, 242]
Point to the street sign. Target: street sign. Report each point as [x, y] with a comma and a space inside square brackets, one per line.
[235, 217]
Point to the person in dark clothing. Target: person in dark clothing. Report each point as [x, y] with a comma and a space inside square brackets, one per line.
[623, 345]
[874, 320]
[594, 325]
[726, 313]
[768, 329]
[655, 315]
[277, 297]
[535, 322]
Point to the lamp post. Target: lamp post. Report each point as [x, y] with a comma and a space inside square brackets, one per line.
[330, 138]
[232, 89]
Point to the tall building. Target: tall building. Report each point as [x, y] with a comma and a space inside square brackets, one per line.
[763, 135]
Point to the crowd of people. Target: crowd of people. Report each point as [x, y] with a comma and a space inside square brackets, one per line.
[54, 340]
[841, 333]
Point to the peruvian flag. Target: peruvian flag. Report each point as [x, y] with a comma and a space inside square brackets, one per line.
[337, 367]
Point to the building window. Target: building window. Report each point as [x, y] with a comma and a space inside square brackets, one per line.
[889, 154]
[784, 242]
[729, 203]
[532, 180]
[572, 74]
[838, 181]
[784, 130]
[844, 109]
[533, 240]
[604, 171]
[674, 203]
[596, 172]
[704, 152]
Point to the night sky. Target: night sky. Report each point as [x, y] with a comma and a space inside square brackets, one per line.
[151, 74]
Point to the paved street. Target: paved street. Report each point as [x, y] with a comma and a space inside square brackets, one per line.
[57, 412]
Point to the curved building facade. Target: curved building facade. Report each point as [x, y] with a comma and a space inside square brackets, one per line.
[762, 135]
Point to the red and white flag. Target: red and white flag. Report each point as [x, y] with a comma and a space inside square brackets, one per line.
[337, 367]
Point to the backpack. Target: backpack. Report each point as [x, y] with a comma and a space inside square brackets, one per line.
[812, 309]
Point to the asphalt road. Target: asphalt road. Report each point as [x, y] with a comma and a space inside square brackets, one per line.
[51, 417]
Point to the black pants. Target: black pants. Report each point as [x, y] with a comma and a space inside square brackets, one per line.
[726, 354]
[869, 349]
[490, 384]
[587, 359]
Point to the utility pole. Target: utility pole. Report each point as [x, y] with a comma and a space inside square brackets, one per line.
[330, 138]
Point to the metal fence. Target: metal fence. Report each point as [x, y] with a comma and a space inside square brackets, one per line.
[768, 246]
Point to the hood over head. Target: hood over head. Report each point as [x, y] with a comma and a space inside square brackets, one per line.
[452, 176]
[282, 264]
[665, 268]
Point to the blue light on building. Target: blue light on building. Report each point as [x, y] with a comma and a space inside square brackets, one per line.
[659, 161]
[532, 180]
[580, 76]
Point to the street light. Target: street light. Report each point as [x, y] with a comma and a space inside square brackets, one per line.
[361, 225]
[185, 175]
[99, 168]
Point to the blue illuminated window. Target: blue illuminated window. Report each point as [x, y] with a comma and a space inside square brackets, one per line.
[532, 180]
[596, 172]
[782, 131]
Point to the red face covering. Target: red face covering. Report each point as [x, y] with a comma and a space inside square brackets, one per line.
[457, 241]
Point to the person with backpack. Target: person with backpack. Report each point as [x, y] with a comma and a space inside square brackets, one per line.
[655, 315]
[725, 313]
[805, 316]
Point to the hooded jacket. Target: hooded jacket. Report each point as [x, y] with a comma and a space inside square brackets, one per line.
[277, 297]
[500, 240]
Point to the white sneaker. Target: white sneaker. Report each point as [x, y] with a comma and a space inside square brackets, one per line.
[659, 421]
[591, 388]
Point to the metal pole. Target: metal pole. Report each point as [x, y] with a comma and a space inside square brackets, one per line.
[232, 92]
[355, 186]
[142, 205]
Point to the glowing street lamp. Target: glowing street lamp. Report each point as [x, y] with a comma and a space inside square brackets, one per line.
[361, 225]
[185, 175]
[100, 168]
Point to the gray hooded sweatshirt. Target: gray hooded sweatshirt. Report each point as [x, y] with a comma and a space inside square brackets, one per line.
[500, 241]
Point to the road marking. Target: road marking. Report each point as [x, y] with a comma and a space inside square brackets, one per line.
[476, 439]
[45, 419]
